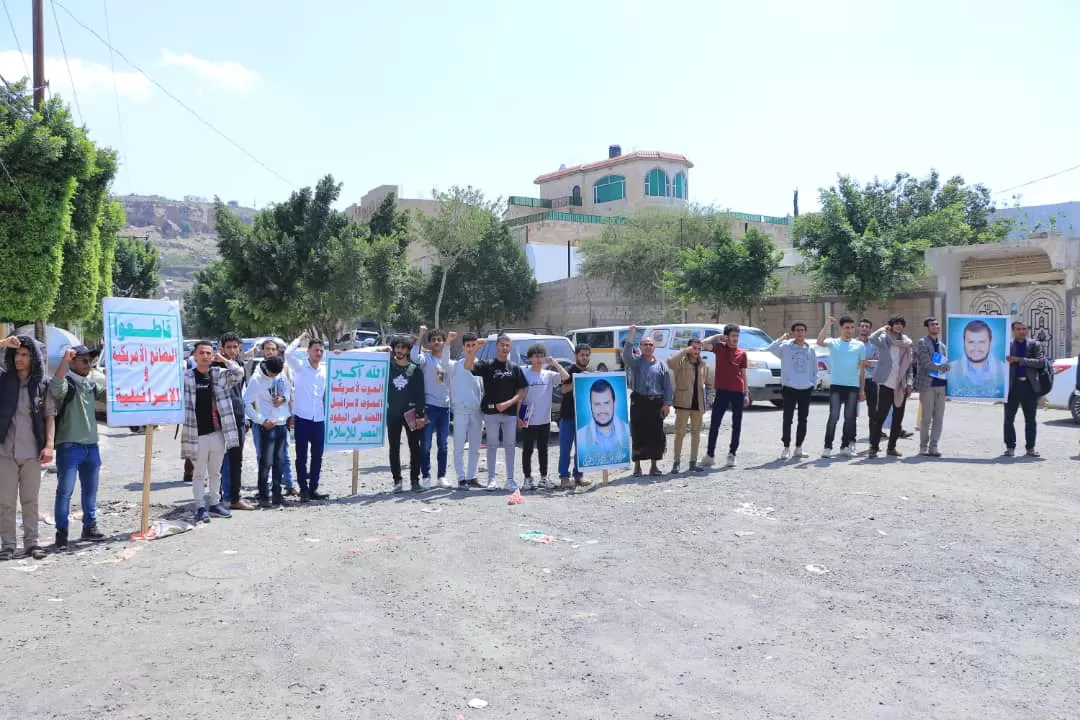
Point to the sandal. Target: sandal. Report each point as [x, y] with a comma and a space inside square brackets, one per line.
[637, 472]
[7, 554]
[37, 553]
[655, 472]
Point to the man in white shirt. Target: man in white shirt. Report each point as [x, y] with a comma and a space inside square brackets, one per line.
[309, 414]
[436, 366]
[466, 394]
[266, 405]
[534, 418]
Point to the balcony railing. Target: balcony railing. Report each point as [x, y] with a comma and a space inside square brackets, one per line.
[565, 217]
[750, 217]
[522, 201]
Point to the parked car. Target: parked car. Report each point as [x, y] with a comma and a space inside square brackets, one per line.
[354, 339]
[557, 346]
[1064, 393]
[606, 344]
[763, 368]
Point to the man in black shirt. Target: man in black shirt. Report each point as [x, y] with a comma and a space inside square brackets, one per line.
[1026, 358]
[568, 424]
[504, 388]
[405, 394]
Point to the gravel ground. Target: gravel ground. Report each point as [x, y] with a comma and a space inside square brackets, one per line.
[815, 589]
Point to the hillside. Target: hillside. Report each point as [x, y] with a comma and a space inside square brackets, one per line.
[182, 230]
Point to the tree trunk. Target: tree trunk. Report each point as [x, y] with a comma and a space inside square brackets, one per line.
[438, 300]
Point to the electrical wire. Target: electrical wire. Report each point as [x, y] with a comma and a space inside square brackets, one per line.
[15, 185]
[71, 78]
[177, 100]
[17, 43]
[116, 93]
[1038, 180]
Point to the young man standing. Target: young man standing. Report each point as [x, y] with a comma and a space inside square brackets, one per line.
[436, 366]
[309, 414]
[1026, 358]
[266, 403]
[466, 396]
[233, 464]
[731, 390]
[798, 372]
[846, 362]
[272, 348]
[568, 424]
[27, 425]
[405, 395]
[931, 389]
[75, 389]
[650, 401]
[209, 428]
[693, 382]
[504, 388]
[534, 420]
[893, 376]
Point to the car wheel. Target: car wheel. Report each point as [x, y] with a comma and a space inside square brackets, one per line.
[601, 367]
[777, 403]
[1074, 408]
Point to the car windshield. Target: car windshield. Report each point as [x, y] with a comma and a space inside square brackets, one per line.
[622, 338]
[558, 348]
[753, 340]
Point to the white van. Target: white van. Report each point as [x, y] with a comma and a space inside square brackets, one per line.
[606, 344]
[763, 368]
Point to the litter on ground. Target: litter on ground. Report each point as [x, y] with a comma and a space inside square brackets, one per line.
[536, 536]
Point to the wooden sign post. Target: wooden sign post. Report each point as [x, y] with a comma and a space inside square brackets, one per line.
[148, 452]
[355, 471]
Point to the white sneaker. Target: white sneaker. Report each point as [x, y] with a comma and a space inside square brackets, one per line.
[785, 454]
[800, 453]
[529, 484]
[731, 461]
[545, 484]
[847, 452]
[398, 488]
[826, 453]
[444, 483]
[511, 486]
[707, 461]
[491, 486]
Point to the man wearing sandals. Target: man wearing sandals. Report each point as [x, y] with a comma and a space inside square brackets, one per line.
[27, 415]
[650, 401]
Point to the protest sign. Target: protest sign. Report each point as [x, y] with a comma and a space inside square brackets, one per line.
[603, 421]
[356, 400]
[977, 346]
[144, 369]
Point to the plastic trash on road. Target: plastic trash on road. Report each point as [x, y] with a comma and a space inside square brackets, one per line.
[515, 499]
[537, 536]
[163, 529]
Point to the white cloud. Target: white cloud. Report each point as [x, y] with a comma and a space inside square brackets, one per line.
[227, 74]
[90, 78]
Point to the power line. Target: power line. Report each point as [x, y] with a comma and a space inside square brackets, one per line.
[71, 78]
[15, 185]
[177, 100]
[116, 93]
[17, 43]
[1038, 180]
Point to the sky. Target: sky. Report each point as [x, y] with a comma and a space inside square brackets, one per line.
[763, 96]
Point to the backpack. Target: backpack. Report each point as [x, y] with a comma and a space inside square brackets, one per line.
[1044, 381]
[68, 397]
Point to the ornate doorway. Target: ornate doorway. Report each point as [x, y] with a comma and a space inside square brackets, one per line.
[1044, 313]
[988, 303]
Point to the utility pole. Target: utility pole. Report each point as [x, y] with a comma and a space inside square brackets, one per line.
[39, 99]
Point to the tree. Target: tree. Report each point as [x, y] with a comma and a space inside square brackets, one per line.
[384, 265]
[136, 269]
[300, 265]
[209, 304]
[638, 256]
[389, 221]
[867, 244]
[728, 272]
[456, 230]
[110, 222]
[46, 156]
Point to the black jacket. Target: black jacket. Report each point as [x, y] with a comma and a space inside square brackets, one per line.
[38, 387]
[1033, 361]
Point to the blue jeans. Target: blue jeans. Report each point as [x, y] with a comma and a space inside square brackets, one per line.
[271, 459]
[724, 399]
[309, 436]
[567, 430]
[438, 423]
[286, 466]
[841, 396]
[84, 460]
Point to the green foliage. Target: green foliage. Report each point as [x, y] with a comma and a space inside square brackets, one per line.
[299, 265]
[136, 268]
[385, 269]
[493, 283]
[867, 244]
[728, 272]
[47, 156]
[388, 221]
[110, 222]
[208, 305]
[80, 285]
[639, 256]
[463, 218]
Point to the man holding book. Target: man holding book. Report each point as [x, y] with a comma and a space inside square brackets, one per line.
[405, 410]
[534, 417]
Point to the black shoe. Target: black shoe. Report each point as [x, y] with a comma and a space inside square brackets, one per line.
[91, 532]
[318, 495]
[305, 497]
[61, 539]
[416, 486]
[474, 484]
[278, 500]
[264, 504]
[906, 434]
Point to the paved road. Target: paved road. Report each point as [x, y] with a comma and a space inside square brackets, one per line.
[817, 589]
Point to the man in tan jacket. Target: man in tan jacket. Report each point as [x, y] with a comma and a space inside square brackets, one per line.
[693, 380]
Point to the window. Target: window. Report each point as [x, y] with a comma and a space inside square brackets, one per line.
[657, 184]
[680, 185]
[575, 196]
[609, 188]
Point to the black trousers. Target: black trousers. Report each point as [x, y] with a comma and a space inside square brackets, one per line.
[394, 426]
[1021, 396]
[793, 399]
[535, 435]
[885, 401]
[870, 388]
[235, 458]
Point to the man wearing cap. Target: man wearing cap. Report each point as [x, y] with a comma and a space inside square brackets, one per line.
[75, 388]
